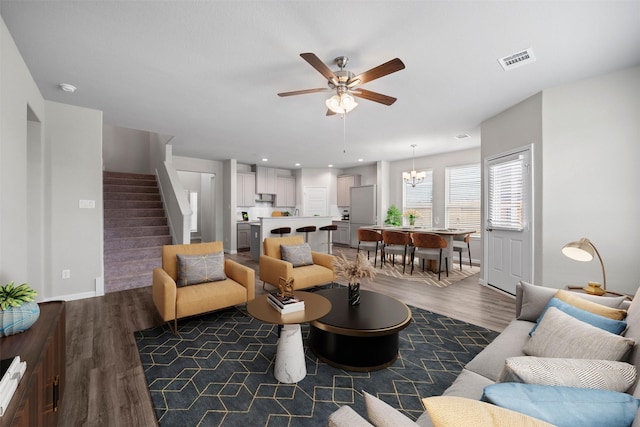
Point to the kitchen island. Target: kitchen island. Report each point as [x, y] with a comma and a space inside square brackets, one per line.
[317, 239]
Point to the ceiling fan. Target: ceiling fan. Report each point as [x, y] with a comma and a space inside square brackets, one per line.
[346, 84]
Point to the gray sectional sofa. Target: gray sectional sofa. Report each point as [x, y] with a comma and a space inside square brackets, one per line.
[487, 366]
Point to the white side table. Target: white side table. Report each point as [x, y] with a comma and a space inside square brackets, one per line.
[290, 366]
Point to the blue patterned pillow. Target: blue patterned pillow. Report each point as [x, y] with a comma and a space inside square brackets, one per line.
[565, 406]
[298, 255]
[609, 325]
[194, 269]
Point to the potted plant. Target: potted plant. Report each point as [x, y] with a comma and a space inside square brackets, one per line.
[394, 216]
[354, 272]
[412, 214]
[18, 311]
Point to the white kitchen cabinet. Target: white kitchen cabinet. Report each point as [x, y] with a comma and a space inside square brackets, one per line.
[246, 189]
[266, 180]
[345, 182]
[286, 192]
[341, 235]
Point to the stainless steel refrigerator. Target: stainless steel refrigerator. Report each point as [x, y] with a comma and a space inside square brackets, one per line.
[362, 211]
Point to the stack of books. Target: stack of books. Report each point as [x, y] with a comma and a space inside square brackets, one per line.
[11, 371]
[285, 304]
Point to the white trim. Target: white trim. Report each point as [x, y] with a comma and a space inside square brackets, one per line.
[72, 297]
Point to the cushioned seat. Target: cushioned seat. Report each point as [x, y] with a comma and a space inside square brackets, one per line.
[174, 302]
[272, 267]
[306, 230]
[370, 240]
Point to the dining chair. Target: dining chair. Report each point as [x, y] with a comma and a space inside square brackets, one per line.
[461, 244]
[429, 246]
[370, 240]
[396, 243]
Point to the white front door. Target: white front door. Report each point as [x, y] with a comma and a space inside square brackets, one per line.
[508, 207]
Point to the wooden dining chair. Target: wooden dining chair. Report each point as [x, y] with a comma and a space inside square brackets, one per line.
[429, 246]
[370, 240]
[396, 243]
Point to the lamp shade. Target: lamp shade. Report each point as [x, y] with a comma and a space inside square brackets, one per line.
[584, 250]
[341, 104]
[581, 250]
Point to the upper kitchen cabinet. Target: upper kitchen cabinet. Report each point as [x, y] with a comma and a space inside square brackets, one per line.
[266, 182]
[286, 192]
[246, 189]
[345, 182]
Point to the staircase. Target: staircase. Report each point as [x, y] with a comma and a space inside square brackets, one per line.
[135, 228]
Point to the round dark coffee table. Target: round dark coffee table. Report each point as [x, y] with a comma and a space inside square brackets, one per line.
[359, 338]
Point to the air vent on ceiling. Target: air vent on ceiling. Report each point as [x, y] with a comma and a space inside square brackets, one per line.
[517, 59]
[462, 136]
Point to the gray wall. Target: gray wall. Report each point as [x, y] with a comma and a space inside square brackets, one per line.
[50, 158]
[73, 138]
[590, 179]
[586, 138]
[126, 150]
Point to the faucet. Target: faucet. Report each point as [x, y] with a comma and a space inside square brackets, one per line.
[296, 212]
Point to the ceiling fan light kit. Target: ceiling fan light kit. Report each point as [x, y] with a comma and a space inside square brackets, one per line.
[341, 104]
[345, 83]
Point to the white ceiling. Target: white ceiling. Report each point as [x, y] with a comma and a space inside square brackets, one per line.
[207, 72]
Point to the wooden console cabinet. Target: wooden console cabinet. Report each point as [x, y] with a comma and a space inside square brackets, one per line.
[36, 401]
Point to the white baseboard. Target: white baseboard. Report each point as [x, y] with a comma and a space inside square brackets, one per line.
[72, 297]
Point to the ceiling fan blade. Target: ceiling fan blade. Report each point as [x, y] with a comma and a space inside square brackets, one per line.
[380, 71]
[302, 92]
[373, 96]
[330, 112]
[316, 63]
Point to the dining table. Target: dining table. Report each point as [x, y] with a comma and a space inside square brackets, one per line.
[447, 233]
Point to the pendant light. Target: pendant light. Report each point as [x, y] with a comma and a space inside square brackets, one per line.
[413, 178]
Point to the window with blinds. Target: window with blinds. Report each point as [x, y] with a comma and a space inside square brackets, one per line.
[506, 195]
[419, 198]
[462, 200]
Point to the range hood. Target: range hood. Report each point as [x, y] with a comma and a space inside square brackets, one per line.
[265, 198]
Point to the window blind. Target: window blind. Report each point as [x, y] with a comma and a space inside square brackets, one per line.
[506, 195]
[462, 201]
[420, 198]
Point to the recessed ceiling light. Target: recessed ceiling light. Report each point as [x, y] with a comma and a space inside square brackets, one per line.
[265, 160]
[361, 160]
[297, 164]
[330, 166]
[462, 136]
[67, 87]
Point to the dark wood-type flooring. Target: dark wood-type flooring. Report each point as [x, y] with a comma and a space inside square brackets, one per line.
[105, 384]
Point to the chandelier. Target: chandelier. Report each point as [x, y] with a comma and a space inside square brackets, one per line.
[413, 178]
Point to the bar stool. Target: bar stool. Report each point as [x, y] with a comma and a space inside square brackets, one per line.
[281, 231]
[329, 229]
[306, 230]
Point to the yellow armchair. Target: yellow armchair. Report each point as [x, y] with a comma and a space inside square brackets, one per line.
[174, 302]
[272, 267]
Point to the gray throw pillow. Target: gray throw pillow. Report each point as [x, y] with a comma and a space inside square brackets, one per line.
[560, 335]
[585, 373]
[298, 255]
[535, 299]
[195, 269]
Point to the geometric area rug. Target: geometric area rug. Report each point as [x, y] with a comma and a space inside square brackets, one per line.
[219, 371]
